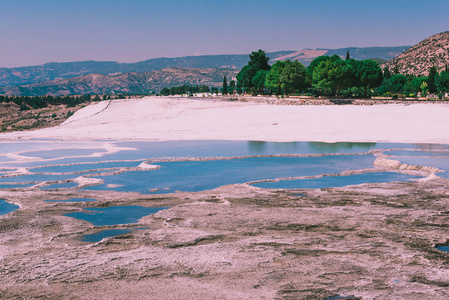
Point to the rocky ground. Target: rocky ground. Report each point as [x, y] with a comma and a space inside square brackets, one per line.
[372, 241]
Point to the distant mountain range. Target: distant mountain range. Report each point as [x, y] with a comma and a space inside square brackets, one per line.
[433, 51]
[106, 77]
[52, 71]
[127, 83]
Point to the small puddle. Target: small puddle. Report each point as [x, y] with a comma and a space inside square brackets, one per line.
[6, 207]
[97, 237]
[115, 215]
[93, 238]
[338, 297]
[444, 248]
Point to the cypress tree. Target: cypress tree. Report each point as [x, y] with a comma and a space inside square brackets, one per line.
[232, 86]
[225, 86]
[431, 79]
[387, 74]
[347, 55]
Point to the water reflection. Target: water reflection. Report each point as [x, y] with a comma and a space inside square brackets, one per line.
[431, 146]
[334, 147]
[257, 147]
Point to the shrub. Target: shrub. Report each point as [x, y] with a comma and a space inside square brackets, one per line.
[24, 107]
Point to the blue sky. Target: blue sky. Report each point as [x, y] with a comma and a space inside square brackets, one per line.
[34, 32]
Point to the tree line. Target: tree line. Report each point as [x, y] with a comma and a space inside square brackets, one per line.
[36, 102]
[185, 89]
[334, 76]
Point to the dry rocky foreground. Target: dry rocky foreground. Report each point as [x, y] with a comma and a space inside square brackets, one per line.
[371, 241]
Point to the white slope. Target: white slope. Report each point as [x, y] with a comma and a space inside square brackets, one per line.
[156, 118]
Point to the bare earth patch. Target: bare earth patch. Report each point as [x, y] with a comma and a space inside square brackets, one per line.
[13, 119]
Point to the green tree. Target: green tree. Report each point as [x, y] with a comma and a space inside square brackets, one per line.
[332, 74]
[315, 64]
[203, 89]
[232, 86]
[424, 89]
[387, 73]
[165, 91]
[431, 80]
[415, 84]
[442, 84]
[259, 82]
[369, 74]
[257, 61]
[347, 55]
[273, 77]
[293, 77]
[397, 83]
[225, 86]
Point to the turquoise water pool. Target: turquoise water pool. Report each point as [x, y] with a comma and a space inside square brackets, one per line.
[96, 237]
[6, 207]
[196, 176]
[337, 181]
[189, 174]
[115, 215]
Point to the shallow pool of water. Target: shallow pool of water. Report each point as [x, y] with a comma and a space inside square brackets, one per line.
[337, 181]
[96, 237]
[15, 186]
[205, 175]
[238, 148]
[6, 207]
[443, 248]
[196, 176]
[115, 215]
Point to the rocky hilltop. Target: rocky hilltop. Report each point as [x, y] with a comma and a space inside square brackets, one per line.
[128, 83]
[433, 51]
[377, 53]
